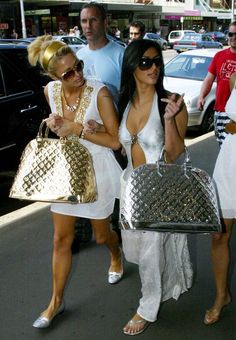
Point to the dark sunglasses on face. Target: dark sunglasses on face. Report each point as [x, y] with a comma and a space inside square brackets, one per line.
[231, 34]
[77, 68]
[146, 63]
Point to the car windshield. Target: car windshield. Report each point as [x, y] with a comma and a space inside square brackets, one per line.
[194, 37]
[152, 36]
[188, 67]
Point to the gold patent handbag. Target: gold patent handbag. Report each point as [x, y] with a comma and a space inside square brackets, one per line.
[55, 170]
[170, 198]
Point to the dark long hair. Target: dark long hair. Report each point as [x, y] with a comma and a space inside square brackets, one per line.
[133, 53]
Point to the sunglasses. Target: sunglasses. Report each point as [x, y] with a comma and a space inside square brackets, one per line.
[69, 74]
[231, 34]
[146, 63]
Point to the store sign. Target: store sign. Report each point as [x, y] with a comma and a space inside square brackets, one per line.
[223, 15]
[172, 17]
[72, 14]
[38, 12]
[4, 26]
[193, 18]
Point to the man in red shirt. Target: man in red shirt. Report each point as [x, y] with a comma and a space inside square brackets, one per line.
[221, 68]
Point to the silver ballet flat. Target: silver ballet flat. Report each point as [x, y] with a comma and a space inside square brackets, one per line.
[114, 277]
[43, 322]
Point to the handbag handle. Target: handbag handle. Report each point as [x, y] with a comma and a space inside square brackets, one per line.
[187, 164]
[41, 136]
[40, 133]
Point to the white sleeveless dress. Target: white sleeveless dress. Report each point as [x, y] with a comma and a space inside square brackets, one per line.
[225, 167]
[107, 169]
[163, 258]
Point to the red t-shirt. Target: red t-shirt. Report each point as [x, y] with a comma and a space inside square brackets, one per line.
[223, 66]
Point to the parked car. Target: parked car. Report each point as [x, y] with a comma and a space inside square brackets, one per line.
[22, 103]
[218, 36]
[177, 35]
[185, 74]
[109, 37]
[156, 37]
[118, 41]
[74, 42]
[194, 41]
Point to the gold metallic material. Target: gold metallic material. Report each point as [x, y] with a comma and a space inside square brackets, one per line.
[50, 51]
[57, 170]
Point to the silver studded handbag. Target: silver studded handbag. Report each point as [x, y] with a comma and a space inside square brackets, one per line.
[170, 198]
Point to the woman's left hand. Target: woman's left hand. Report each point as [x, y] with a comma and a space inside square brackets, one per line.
[66, 128]
[91, 126]
[174, 105]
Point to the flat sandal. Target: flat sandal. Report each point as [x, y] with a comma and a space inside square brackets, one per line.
[136, 322]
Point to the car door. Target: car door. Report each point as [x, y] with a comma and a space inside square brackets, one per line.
[22, 108]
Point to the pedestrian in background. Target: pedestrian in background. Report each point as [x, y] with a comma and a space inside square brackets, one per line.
[224, 176]
[71, 32]
[65, 94]
[151, 118]
[136, 30]
[221, 68]
[102, 57]
[77, 31]
[14, 34]
[102, 61]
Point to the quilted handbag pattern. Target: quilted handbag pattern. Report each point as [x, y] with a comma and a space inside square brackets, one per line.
[170, 198]
[55, 170]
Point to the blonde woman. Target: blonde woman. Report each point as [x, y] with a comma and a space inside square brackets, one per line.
[66, 93]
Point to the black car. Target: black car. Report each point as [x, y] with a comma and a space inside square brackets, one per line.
[22, 103]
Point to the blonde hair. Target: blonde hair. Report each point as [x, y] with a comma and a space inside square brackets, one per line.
[46, 51]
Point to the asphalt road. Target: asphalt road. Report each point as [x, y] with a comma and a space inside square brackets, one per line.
[94, 309]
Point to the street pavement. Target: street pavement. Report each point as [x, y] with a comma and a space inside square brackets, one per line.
[96, 310]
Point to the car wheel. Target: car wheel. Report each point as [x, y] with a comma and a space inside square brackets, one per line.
[164, 47]
[208, 120]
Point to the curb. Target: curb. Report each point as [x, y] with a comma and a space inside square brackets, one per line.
[16, 215]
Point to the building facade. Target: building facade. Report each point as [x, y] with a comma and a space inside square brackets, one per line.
[158, 15]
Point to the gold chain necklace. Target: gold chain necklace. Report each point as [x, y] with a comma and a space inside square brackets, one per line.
[74, 107]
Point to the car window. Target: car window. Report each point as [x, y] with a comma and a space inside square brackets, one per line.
[175, 35]
[75, 41]
[188, 67]
[153, 36]
[194, 37]
[19, 79]
[2, 91]
[13, 81]
[65, 40]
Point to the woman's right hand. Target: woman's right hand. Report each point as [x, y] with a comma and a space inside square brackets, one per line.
[54, 122]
